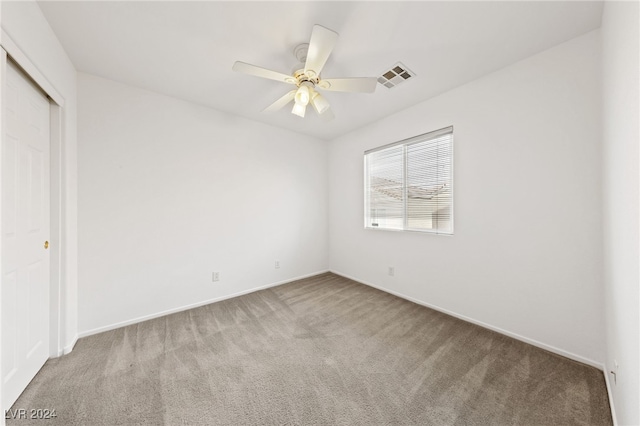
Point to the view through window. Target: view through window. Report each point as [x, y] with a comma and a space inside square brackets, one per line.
[409, 184]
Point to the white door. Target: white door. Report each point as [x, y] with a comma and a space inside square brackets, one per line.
[24, 228]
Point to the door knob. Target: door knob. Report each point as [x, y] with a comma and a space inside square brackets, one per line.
[46, 244]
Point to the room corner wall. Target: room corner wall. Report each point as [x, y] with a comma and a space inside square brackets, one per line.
[526, 256]
[621, 176]
[171, 192]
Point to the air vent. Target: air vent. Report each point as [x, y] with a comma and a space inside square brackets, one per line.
[395, 75]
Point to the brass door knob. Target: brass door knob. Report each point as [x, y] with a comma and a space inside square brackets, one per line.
[46, 244]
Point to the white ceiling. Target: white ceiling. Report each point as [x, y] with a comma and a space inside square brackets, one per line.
[186, 49]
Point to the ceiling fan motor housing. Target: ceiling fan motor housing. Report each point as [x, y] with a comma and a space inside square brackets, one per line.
[301, 77]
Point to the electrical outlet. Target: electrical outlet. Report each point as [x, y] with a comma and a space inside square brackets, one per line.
[277, 264]
[215, 277]
[392, 271]
[614, 372]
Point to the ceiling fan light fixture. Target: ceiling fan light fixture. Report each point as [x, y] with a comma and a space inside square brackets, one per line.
[302, 96]
[299, 109]
[319, 103]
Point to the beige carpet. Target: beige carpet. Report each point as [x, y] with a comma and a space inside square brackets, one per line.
[320, 351]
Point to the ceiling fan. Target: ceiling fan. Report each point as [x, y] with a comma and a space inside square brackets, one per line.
[306, 76]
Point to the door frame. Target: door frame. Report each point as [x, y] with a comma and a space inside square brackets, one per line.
[57, 182]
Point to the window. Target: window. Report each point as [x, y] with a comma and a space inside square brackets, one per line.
[409, 184]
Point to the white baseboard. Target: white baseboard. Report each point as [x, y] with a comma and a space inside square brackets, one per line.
[187, 307]
[70, 346]
[607, 380]
[65, 350]
[516, 336]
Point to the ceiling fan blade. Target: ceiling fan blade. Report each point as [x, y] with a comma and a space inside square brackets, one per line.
[320, 47]
[280, 102]
[245, 68]
[356, 84]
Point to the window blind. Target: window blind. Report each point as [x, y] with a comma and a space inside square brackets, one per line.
[409, 184]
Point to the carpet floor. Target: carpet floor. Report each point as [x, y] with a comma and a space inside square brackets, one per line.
[319, 351]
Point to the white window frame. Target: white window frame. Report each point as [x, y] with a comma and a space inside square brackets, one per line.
[405, 143]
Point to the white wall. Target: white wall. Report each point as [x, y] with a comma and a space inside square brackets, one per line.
[28, 29]
[170, 192]
[526, 255]
[620, 52]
